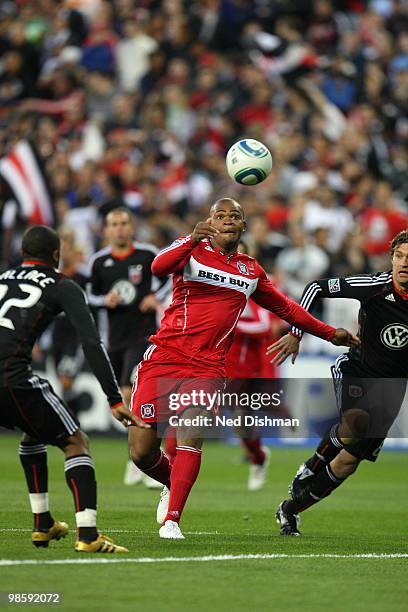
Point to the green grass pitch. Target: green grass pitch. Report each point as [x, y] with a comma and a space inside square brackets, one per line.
[368, 515]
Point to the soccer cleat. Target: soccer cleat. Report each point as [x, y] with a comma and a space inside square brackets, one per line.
[132, 474]
[163, 505]
[289, 523]
[258, 473]
[171, 531]
[102, 544]
[151, 483]
[298, 485]
[56, 532]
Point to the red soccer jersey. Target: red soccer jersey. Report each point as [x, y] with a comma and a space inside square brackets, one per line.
[210, 292]
[245, 358]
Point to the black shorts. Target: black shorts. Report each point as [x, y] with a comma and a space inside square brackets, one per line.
[37, 410]
[124, 362]
[370, 405]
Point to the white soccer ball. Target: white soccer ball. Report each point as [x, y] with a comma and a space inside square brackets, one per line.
[249, 162]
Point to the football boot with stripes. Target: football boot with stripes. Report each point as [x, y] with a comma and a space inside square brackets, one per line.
[102, 544]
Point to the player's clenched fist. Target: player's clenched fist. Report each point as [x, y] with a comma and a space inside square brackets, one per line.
[202, 230]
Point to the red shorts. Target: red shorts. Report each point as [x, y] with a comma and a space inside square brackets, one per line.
[161, 379]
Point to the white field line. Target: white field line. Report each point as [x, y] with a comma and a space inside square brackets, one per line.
[104, 560]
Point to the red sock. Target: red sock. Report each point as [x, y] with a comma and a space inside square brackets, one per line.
[171, 444]
[160, 469]
[184, 473]
[253, 446]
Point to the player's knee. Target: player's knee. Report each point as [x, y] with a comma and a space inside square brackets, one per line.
[135, 455]
[76, 444]
[83, 439]
[344, 464]
[143, 445]
[193, 426]
[140, 456]
[26, 439]
[355, 424]
[140, 451]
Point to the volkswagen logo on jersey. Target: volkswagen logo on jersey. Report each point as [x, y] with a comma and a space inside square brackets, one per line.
[242, 268]
[127, 292]
[395, 336]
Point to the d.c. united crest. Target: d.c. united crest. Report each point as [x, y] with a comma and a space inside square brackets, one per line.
[135, 274]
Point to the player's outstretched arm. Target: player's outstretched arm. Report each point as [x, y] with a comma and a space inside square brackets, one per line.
[353, 287]
[270, 298]
[289, 345]
[175, 256]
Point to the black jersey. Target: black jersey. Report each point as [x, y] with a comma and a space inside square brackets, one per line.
[132, 278]
[64, 334]
[31, 296]
[383, 321]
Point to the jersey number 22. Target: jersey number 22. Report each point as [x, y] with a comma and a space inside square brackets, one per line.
[34, 294]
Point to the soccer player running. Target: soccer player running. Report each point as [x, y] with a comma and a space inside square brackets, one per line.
[121, 281]
[370, 380]
[31, 296]
[211, 285]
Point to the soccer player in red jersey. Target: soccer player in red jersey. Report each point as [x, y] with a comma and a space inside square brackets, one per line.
[211, 285]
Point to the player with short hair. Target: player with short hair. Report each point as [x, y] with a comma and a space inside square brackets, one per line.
[370, 380]
[31, 296]
[211, 285]
[121, 281]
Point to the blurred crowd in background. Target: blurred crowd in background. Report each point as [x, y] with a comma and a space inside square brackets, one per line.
[136, 102]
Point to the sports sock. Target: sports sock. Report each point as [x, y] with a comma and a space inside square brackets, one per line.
[327, 449]
[171, 444]
[321, 486]
[255, 452]
[80, 477]
[33, 458]
[160, 469]
[184, 473]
